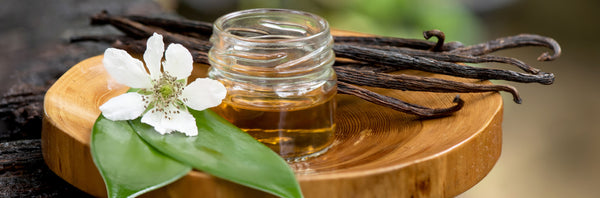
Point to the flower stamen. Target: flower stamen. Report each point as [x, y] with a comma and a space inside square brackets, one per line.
[165, 95]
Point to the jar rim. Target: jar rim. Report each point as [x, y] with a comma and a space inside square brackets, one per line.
[218, 24]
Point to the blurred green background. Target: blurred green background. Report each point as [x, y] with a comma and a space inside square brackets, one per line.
[551, 142]
[383, 17]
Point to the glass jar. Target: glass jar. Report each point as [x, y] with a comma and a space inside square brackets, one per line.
[277, 67]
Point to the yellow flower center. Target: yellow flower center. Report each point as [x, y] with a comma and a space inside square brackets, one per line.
[166, 90]
[164, 95]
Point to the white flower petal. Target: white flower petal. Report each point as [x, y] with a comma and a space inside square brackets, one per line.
[154, 118]
[204, 93]
[125, 69]
[178, 61]
[183, 122]
[127, 106]
[153, 54]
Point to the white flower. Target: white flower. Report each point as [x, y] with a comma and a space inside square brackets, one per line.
[162, 97]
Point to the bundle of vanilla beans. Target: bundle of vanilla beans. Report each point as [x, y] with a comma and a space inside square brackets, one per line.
[368, 60]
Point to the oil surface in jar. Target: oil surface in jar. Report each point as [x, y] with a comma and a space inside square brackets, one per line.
[293, 134]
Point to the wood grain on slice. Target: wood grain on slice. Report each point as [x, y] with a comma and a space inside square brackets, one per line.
[378, 152]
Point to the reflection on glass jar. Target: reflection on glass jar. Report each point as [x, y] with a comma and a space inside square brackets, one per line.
[277, 67]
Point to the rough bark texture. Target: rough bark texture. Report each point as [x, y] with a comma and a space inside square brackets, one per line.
[23, 173]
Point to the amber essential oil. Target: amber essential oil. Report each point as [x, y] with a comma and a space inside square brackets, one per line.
[293, 133]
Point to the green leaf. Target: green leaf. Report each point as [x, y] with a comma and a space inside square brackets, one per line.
[128, 165]
[225, 151]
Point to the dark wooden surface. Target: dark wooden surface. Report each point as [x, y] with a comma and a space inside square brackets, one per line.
[23, 173]
[33, 54]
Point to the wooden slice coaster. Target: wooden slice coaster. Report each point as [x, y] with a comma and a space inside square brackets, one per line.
[378, 152]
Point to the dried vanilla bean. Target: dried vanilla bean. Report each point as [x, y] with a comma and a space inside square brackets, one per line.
[365, 66]
[396, 104]
[139, 47]
[416, 83]
[134, 46]
[122, 24]
[439, 35]
[191, 28]
[513, 42]
[140, 31]
[454, 57]
[404, 61]
[460, 58]
[392, 41]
